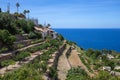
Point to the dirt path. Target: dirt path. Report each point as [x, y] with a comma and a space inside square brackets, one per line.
[17, 65]
[63, 65]
[75, 61]
[10, 53]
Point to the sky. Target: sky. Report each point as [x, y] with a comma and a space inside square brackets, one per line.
[70, 13]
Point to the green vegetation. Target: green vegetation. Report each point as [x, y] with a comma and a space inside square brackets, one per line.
[6, 39]
[94, 60]
[53, 73]
[77, 74]
[15, 30]
[36, 69]
[20, 56]
[27, 72]
[61, 37]
[103, 75]
[70, 42]
[8, 22]
[11, 25]
[26, 26]
[3, 49]
[7, 63]
[93, 54]
[54, 44]
[87, 64]
[17, 5]
[80, 74]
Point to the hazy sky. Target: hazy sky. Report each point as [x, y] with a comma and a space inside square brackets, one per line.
[71, 13]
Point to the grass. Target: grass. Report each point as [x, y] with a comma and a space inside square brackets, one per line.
[86, 63]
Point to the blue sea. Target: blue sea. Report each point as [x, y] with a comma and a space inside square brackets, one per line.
[93, 38]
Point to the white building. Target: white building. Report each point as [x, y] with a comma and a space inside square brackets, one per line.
[106, 68]
[117, 68]
[109, 56]
[47, 32]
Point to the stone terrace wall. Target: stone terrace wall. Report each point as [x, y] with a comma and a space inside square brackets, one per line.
[57, 54]
[68, 52]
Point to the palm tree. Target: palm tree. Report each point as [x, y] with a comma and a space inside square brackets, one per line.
[28, 11]
[0, 10]
[25, 11]
[17, 5]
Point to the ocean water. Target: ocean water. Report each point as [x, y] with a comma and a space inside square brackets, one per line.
[93, 38]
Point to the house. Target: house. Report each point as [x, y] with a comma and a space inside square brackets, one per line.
[52, 33]
[46, 32]
[109, 56]
[106, 68]
[117, 68]
[43, 32]
[115, 73]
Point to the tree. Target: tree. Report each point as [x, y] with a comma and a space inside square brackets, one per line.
[28, 11]
[27, 26]
[0, 10]
[25, 11]
[7, 21]
[6, 38]
[17, 5]
[48, 25]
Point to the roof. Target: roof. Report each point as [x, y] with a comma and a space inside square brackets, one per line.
[39, 29]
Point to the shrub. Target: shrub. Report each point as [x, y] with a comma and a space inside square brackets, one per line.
[32, 35]
[6, 38]
[21, 55]
[3, 49]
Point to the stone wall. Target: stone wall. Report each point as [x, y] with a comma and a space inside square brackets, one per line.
[53, 61]
[58, 53]
[68, 52]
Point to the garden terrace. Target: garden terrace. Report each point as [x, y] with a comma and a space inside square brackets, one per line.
[9, 55]
[31, 50]
[36, 68]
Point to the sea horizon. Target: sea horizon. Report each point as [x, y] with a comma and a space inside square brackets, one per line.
[95, 38]
[85, 28]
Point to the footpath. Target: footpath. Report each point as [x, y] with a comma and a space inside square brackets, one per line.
[10, 53]
[63, 65]
[18, 64]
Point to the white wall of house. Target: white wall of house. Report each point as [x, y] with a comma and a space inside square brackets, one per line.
[54, 35]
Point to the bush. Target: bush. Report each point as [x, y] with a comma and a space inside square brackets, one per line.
[53, 73]
[61, 37]
[3, 50]
[21, 55]
[77, 74]
[7, 21]
[7, 63]
[32, 35]
[6, 38]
